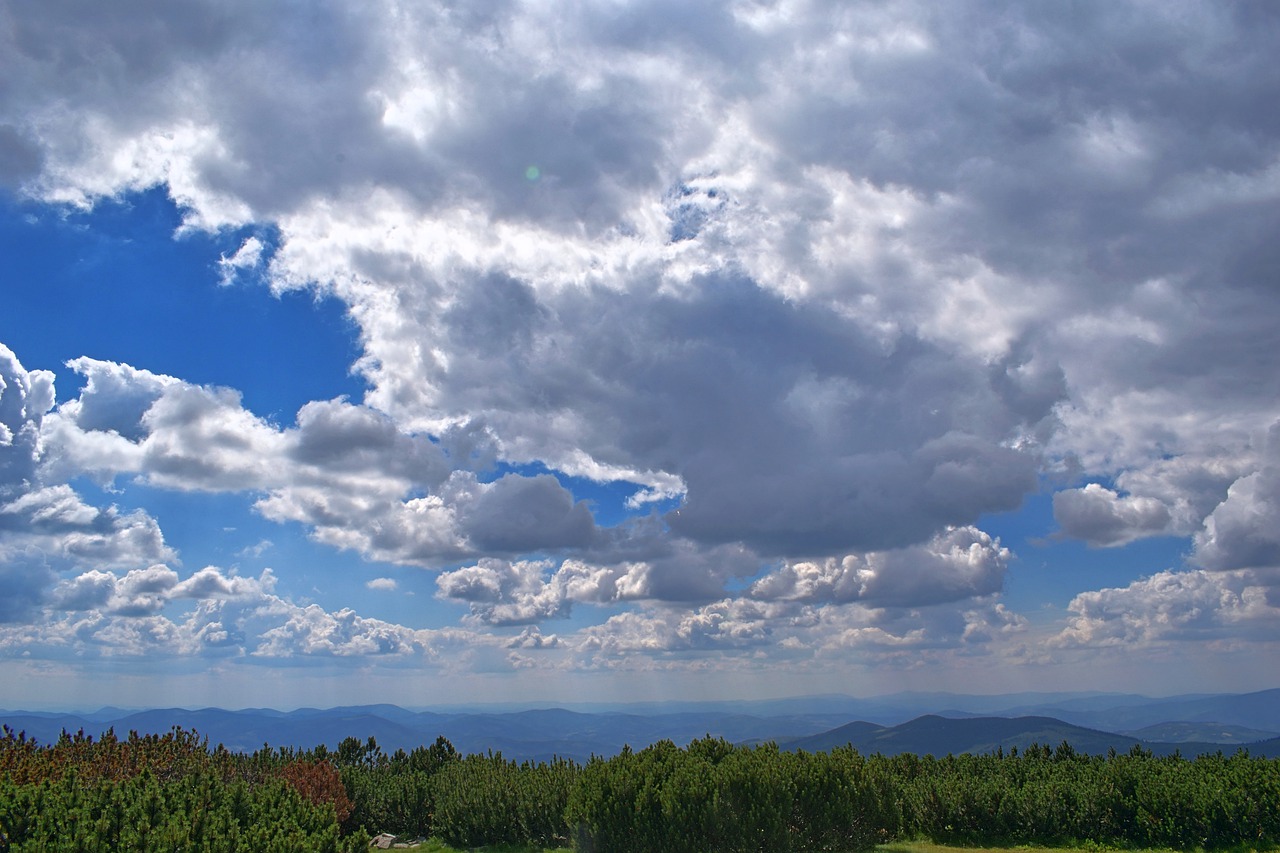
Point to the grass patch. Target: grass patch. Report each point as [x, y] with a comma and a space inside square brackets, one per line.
[435, 845]
[930, 847]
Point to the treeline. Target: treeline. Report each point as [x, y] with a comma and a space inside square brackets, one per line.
[173, 792]
[1047, 797]
[167, 792]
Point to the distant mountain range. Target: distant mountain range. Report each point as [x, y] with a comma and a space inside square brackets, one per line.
[938, 736]
[531, 734]
[935, 724]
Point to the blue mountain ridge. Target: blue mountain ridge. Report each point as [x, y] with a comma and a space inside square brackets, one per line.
[939, 736]
[895, 724]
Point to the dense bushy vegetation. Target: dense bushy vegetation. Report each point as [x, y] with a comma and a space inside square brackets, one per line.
[173, 792]
[714, 796]
[168, 792]
[1046, 796]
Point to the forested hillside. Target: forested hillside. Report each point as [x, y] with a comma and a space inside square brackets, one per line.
[810, 724]
[934, 735]
[175, 792]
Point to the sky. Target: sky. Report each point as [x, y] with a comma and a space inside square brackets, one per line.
[602, 351]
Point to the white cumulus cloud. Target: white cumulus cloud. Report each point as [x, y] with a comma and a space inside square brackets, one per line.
[827, 286]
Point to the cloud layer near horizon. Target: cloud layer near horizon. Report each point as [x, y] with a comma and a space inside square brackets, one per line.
[826, 283]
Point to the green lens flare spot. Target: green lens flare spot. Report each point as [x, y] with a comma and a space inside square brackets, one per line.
[533, 173]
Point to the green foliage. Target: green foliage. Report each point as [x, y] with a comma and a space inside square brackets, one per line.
[143, 813]
[164, 792]
[172, 792]
[394, 794]
[715, 796]
[1048, 797]
[485, 799]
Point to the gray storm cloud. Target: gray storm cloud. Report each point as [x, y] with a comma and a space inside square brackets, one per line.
[819, 280]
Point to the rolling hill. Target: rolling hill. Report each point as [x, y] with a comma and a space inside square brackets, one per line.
[935, 735]
[1194, 732]
[1092, 723]
[532, 734]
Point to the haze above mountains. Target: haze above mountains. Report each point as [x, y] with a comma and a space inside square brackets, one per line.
[923, 723]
